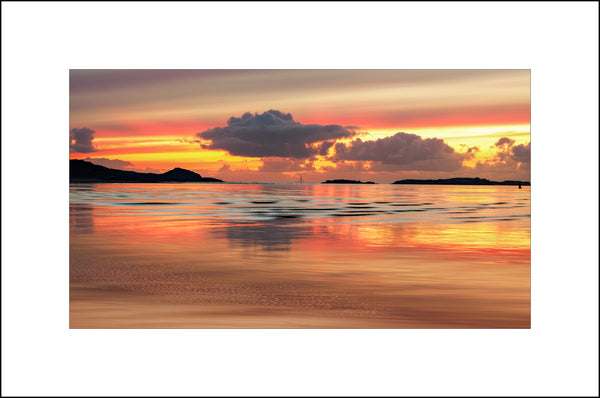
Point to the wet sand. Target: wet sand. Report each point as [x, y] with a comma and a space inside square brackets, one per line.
[168, 257]
[143, 294]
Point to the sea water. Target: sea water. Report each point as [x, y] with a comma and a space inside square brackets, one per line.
[225, 255]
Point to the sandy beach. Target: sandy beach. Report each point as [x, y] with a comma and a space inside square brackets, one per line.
[142, 294]
[183, 256]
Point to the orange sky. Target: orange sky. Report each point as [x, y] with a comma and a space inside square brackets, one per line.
[155, 120]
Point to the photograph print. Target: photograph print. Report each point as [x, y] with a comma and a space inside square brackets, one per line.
[303, 199]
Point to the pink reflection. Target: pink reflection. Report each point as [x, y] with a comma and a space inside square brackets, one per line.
[148, 260]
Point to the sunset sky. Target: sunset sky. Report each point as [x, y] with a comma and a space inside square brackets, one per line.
[278, 125]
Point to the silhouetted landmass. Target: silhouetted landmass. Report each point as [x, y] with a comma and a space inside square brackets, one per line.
[462, 181]
[342, 181]
[82, 171]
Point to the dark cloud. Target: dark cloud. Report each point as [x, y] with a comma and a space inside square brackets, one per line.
[470, 154]
[403, 151]
[325, 147]
[504, 141]
[80, 140]
[522, 153]
[510, 152]
[272, 134]
[111, 163]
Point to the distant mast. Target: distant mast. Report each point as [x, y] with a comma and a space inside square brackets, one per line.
[300, 179]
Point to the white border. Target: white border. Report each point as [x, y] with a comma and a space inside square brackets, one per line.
[557, 41]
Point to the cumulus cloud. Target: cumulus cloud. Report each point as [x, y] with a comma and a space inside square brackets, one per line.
[111, 163]
[509, 162]
[508, 151]
[324, 148]
[504, 141]
[273, 134]
[522, 153]
[471, 151]
[80, 140]
[402, 151]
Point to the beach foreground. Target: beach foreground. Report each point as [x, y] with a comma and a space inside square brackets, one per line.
[146, 257]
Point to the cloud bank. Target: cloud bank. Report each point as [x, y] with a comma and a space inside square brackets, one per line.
[273, 134]
[285, 165]
[80, 140]
[509, 162]
[403, 151]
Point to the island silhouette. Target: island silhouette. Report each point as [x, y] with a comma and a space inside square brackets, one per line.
[447, 181]
[82, 171]
[462, 181]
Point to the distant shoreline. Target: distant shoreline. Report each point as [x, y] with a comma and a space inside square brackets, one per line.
[86, 172]
[461, 181]
[82, 171]
[90, 181]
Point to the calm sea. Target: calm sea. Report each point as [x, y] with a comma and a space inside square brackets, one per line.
[299, 256]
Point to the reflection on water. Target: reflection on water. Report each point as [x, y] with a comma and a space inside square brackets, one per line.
[269, 236]
[299, 255]
[81, 218]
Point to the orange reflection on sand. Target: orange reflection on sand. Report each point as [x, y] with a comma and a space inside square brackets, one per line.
[475, 237]
[220, 256]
